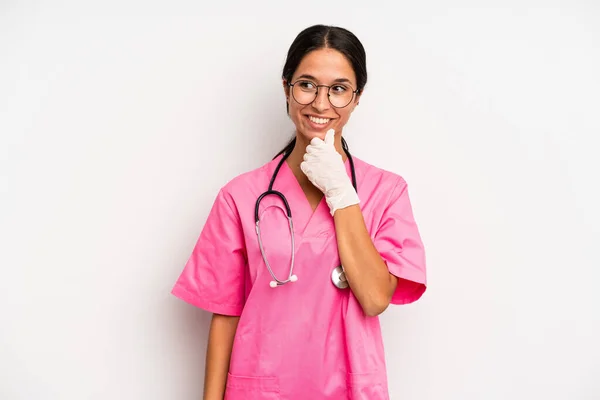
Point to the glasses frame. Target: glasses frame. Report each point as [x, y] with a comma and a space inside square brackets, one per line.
[354, 92]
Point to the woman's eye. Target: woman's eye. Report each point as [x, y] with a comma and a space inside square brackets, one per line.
[307, 85]
[339, 88]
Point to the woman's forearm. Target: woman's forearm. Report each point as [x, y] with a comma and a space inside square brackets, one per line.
[218, 354]
[366, 272]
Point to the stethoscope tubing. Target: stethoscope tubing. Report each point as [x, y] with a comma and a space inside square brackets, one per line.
[291, 277]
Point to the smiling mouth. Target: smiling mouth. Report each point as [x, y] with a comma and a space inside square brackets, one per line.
[318, 121]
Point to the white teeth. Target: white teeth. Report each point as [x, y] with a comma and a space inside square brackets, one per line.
[320, 121]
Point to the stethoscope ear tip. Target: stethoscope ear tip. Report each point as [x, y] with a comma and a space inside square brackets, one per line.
[274, 284]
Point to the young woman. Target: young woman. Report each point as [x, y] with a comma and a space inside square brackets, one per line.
[299, 257]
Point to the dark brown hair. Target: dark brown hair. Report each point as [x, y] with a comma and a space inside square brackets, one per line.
[319, 37]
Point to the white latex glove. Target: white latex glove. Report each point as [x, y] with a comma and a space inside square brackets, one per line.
[324, 167]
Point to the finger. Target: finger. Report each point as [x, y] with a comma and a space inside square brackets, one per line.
[308, 157]
[310, 149]
[330, 137]
[304, 167]
[316, 141]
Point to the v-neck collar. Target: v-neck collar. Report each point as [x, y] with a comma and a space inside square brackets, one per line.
[306, 221]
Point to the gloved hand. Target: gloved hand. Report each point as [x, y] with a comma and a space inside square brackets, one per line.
[324, 167]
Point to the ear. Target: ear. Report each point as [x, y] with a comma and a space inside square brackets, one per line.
[359, 95]
[286, 89]
[357, 98]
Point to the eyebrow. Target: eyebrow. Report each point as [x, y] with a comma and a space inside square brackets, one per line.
[338, 80]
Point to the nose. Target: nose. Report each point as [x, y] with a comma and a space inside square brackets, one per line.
[321, 102]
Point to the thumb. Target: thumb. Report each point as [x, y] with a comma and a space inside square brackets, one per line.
[330, 136]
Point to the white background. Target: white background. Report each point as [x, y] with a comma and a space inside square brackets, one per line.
[120, 121]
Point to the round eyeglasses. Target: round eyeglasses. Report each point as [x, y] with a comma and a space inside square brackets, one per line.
[339, 94]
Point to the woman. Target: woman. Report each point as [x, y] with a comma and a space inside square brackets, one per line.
[288, 321]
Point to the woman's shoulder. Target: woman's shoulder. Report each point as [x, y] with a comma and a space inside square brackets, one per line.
[369, 172]
[251, 179]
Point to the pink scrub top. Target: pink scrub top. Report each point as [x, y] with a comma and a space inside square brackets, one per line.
[306, 340]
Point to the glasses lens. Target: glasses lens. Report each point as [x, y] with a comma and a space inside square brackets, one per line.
[304, 92]
[340, 95]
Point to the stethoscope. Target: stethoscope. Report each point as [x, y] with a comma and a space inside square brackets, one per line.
[338, 277]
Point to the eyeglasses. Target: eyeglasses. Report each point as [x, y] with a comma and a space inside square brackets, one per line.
[339, 95]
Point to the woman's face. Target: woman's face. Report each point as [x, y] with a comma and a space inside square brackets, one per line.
[321, 67]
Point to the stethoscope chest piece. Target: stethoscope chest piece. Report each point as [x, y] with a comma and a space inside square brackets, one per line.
[338, 277]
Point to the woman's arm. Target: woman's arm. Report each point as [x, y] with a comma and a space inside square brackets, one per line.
[218, 354]
[366, 272]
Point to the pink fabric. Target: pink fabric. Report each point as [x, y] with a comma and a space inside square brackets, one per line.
[306, 339]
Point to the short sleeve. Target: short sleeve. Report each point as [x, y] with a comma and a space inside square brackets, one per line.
[399, 243]
[213, 277]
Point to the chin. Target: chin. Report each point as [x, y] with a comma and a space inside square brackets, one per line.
[310, 134]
